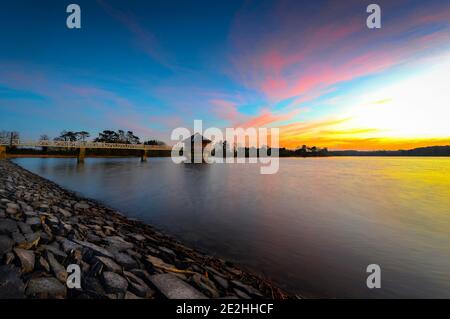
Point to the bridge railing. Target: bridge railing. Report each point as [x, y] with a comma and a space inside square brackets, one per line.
[81, 144]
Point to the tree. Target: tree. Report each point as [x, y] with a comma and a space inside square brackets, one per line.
[83, 135]
[131, 138]
[44, 137]
[154, 142]
[9, 136]
[66, 136]
[107, 136]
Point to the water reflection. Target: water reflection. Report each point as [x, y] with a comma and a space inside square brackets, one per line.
[312, 227]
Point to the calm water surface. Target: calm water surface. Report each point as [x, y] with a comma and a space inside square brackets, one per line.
[313, 227]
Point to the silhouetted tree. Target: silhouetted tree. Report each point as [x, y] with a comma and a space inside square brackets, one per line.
[83, 135]
[154, 142]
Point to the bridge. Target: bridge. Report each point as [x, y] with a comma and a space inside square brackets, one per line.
[82, 146]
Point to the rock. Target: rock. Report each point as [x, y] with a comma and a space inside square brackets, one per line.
[64, 212]
[69, 245]
[31, 240]
[44, 264]
[59, 271]
[81, 205]
[206, 285]
[174, 288]
[143, 274]
[26, 258]
[138, 286]
[9, 257]
[6, 244]
[166, 250]
[44, 288]
[158, 262]
[138, 237]
[114, 283]
[130, 295]
[7, 226]
[110, 264]
[221, 281]
[96, 249]
[24, 228]
[93, 286]
[33, 221]
[241, 294]
[18, 238]
[55, 251]
[249, 289]
[125, 260]
[11, 286]
[13, 206]
[118, 243]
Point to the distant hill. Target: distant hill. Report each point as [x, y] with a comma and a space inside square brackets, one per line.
[421, 151]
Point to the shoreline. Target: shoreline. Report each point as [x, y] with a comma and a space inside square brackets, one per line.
[44, 228]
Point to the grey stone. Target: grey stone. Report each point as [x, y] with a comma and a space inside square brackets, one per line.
[241, 294]
[250, 290]
[110, 264]
[55, 251]
[6, 244]
[24, 228]
[138, 286]
[33, 221]
[69, 245]
[26, 258]
[221, 281]
[206, 285]
[118, 243]
[11, 286]
[18, 238]
[114, 283]
[44, 288]
[81, 205]
[174, 288]
[59, 271]
[125, 260]
[8, 226]
[166, 250]
[96, 249]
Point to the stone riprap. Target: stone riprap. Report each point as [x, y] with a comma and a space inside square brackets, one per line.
[44, 229]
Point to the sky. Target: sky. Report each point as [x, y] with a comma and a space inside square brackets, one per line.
[310, 68]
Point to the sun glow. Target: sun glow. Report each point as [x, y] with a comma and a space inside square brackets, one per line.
[414, 108]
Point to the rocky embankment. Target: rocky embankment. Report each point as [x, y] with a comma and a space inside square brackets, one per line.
[44, 229]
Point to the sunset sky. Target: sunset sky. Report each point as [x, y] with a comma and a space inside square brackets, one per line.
[311, 68]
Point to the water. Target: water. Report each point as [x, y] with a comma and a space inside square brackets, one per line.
[312, 228]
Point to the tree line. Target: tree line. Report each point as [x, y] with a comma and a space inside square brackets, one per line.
[106, 136]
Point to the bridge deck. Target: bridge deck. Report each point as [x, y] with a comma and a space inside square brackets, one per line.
[79, 144]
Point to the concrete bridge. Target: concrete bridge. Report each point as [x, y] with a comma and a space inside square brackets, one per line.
[82, 146]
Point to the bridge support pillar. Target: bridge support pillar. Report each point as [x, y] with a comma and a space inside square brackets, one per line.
[144, 156]
[2, 152]
[81, 155]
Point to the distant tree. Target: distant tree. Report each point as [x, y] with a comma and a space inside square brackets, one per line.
[9, 136]
[131, 138]
[82, 136]
[108, 136]
[154, 142]
[44, 137]
[66, 136]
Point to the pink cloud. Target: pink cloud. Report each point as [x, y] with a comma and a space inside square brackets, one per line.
[284, 57]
